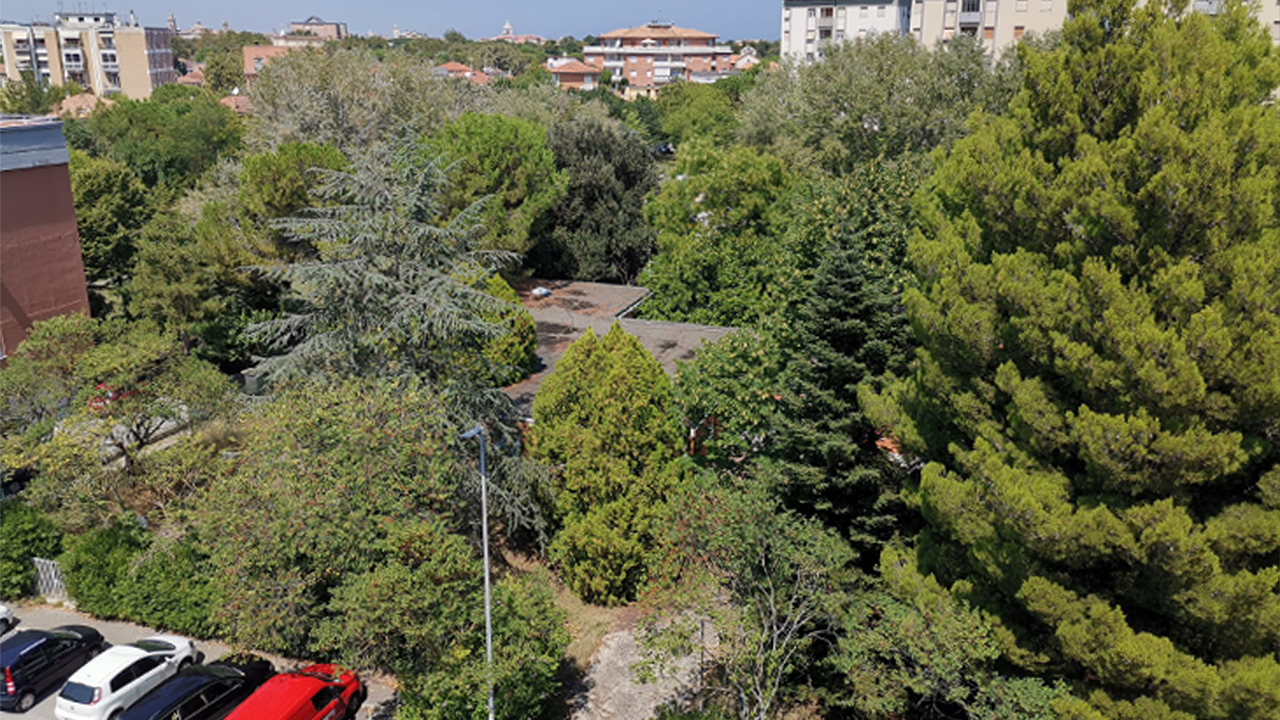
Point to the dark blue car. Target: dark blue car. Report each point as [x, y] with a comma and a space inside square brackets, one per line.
[202, 692]
[35, 662]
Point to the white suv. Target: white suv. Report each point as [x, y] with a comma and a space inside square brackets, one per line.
[114, 680]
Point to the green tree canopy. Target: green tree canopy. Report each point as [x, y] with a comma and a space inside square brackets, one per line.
[30, 96]
[596, 230]
[692, 111]
[719, 221]
[1098, 393]
[111, 206]
[883, 95]
[168, 140]
[503, 162]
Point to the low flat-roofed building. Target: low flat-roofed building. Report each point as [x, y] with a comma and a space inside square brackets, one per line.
[41, 268]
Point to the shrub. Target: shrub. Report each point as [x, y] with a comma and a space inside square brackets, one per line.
[170, 589]
[24, 533]
[96, 567]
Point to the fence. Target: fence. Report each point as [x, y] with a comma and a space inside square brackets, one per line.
[49, 579]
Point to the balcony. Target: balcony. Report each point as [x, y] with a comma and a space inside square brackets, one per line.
[110, 66]
[970, 18]
[72, 65]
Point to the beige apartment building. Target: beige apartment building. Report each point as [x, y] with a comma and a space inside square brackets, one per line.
[810, 25]
[652, 55]
[92, 50]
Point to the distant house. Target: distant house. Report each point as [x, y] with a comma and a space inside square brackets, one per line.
[256, 57]
[458, 70]
[41, 269]
[239, 104]
[574, 74]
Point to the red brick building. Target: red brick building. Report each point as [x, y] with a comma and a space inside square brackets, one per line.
[650, 56]
[41, 270]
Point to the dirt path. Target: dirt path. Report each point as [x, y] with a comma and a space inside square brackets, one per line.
[610, 691]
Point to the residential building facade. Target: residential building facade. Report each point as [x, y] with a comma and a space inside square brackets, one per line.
[652, 55]
[41, 269]
[810, 25]
[92, 50]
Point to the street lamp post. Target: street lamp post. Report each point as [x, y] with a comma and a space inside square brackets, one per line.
[478, 432]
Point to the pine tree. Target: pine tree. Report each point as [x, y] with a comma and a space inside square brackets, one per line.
[1099, 389]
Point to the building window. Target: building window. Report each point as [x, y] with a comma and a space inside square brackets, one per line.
[1046, 5]
[988, 33]
[862, 11]
[879, 11]
[828, 12]
[813, 12]
[1022, 6]
[1018, 32]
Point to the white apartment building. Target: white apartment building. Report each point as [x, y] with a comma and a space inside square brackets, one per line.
[808, 25]
[92, 50]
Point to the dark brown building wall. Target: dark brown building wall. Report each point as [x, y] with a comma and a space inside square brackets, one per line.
[41, 271]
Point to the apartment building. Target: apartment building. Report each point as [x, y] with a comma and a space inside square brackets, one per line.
[92, 50]
[809, 25]
[41, 269]
[650, 56]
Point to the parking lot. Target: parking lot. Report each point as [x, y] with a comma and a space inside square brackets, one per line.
[44, 617]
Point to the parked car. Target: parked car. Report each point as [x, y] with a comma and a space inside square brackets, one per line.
[316, 692]
[37, 661]
[203, 692]
[118, 677]
[7, 620]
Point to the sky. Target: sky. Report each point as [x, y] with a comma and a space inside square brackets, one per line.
[730, 19]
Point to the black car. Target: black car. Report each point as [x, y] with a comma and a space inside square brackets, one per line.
[37, 661]
[203, 692]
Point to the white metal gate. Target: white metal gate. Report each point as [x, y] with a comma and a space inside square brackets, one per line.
[49, 579]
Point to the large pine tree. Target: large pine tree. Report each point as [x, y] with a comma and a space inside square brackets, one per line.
[1099, 389]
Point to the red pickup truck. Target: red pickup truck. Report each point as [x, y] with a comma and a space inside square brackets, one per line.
[316, 692]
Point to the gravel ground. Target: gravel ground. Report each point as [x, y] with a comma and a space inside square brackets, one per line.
[44, 617]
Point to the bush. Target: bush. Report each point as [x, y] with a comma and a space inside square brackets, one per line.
[528, 643]
[170, 589]
[97, 565]
[24, 533]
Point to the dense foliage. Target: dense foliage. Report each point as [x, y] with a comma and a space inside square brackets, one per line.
[994, 435]
[1096, 392]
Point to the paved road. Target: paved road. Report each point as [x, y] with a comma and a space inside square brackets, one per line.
[44, 617]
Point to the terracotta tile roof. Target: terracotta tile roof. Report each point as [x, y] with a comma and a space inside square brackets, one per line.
[457, 69]
[574, 66]
[658, 32]
[80, 105]
[238, 103]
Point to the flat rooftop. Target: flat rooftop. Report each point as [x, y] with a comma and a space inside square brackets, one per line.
[571, 307]
[31, 142]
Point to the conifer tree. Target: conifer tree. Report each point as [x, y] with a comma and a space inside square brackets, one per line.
[604, 419]
[1099, 389]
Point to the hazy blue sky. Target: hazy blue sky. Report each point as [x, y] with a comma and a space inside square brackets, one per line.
[734, 19]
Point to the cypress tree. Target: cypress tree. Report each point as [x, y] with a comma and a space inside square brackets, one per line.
[1099, 389]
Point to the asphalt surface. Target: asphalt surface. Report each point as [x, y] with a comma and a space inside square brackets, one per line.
[45, 617]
